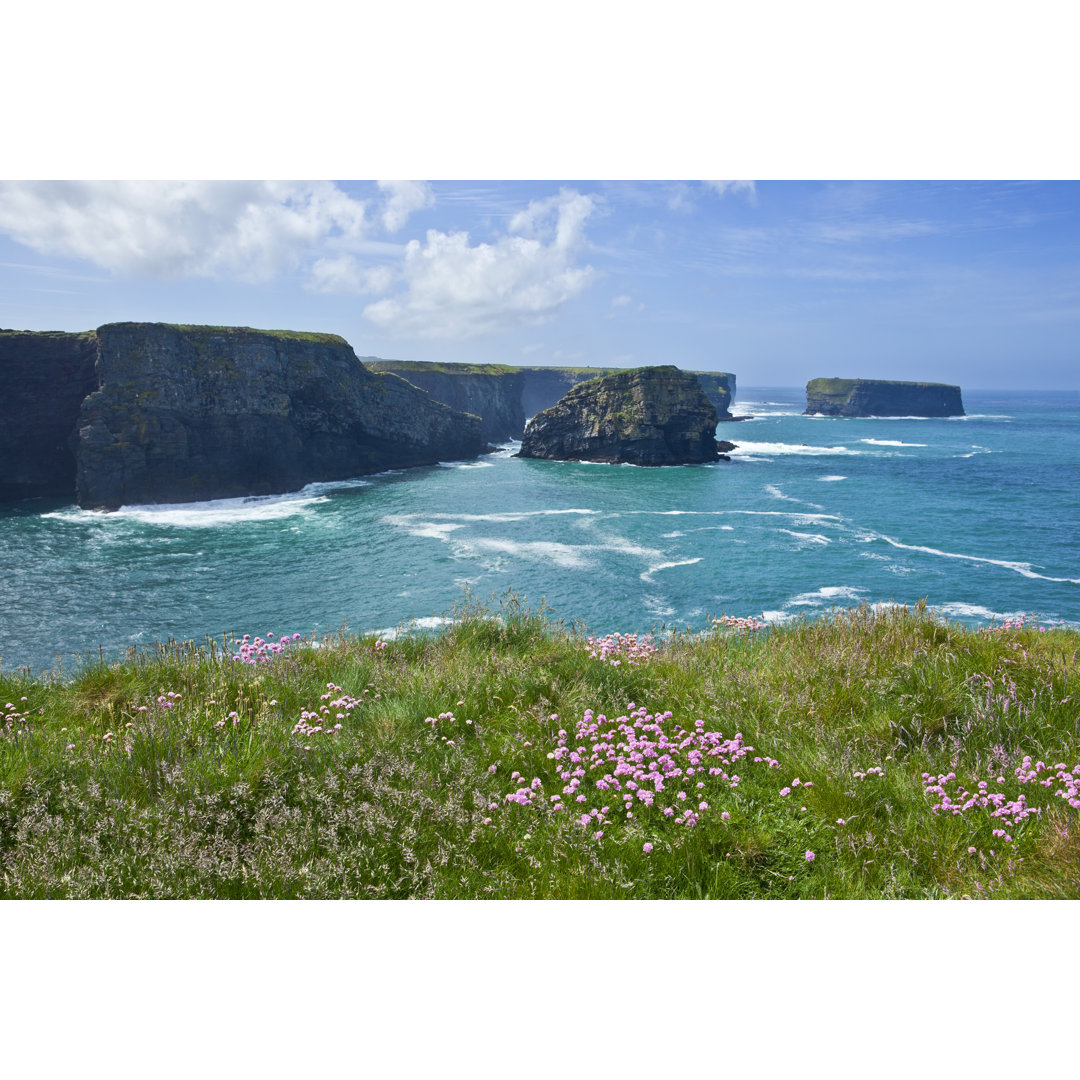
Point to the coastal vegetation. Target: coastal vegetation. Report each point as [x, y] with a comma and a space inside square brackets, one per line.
[872, 753]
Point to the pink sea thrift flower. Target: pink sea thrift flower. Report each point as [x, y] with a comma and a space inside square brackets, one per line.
[809, 856]
[646, 848]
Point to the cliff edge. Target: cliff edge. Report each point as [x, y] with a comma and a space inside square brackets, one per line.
[645, 416]
[185, 413]
[881, 397]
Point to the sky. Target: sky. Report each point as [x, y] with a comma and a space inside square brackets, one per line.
[779, 281]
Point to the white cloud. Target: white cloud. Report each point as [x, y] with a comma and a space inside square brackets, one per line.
[722, 187]
[405, 198]
[170, 230]
[620, 301]
[536, 346]
[558, 354]
[459, 289]
[345, 274]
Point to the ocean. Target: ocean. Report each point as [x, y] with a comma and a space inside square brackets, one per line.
[979, 516]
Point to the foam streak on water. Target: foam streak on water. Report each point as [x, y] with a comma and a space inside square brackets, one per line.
[980, 518]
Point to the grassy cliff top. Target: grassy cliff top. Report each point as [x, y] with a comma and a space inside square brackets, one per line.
[843, 387]
[872, 753]
[49, 333]
[435, 367]
[239, 331]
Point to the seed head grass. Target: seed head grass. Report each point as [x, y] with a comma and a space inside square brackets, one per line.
[873, 753]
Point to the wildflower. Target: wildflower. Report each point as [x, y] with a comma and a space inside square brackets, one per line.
[809, 855]
[646, 848]
[725, 816]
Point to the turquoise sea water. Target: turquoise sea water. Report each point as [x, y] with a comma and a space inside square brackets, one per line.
[980, 515]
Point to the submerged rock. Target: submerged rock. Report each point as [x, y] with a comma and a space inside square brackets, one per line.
[645, 416]
[881, 397]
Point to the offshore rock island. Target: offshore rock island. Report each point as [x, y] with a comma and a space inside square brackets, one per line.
[645, 416]
[881, 397]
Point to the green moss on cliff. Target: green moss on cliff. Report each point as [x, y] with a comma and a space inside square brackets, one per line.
[242, 331]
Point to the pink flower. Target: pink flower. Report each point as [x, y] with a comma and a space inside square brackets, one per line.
[646, 848]
[725, 816]
[809, 856]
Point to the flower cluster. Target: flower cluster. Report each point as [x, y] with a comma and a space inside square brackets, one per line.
[742, 627]
[616, 648]
[320, 721]
[639, 765]
[380, 645]
[15, 720]
[260, 651]
[1018, 622]
[447, 718]
[1011, 811]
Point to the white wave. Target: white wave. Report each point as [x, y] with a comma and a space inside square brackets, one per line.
[648, 574]
[199, 515]
[466, 465]
[981, 416]
[1022, 568]
[658, 607]
[428, 622]
[565, 555]
[432, 530]
[777, 616]
[774, 449]
[826, 593]
[809, 538]
[890, 442]
[830, 479]
[798, 517]
[975, 450]
[320, 487]
[976, 611]
[776, 493]
[671, 535]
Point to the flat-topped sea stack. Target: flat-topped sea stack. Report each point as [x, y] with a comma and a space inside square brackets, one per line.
[505, 397]
[644, 416]
[881, 397]
[184, 413]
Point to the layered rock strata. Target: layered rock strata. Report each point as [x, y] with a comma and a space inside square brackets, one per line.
[43, 380]
[645, 416]
[505, 397]
[881, 397]
[184, 413]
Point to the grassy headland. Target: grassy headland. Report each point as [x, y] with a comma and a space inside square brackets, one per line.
[867, 754]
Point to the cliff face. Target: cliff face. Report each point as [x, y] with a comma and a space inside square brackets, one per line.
[43, 380]
[646, 416]
[505, 397]
[880, 397]
[193, 412]
[491, 391]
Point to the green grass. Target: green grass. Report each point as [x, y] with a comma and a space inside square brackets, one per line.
[400, 803]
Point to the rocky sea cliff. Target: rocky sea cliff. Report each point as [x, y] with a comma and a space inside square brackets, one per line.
[881, 397]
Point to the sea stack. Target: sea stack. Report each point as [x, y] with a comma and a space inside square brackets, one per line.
[645, 416]
[881, 397]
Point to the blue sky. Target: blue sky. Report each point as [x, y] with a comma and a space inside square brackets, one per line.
[976, 283]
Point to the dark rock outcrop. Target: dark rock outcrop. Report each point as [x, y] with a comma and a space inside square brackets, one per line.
[43, 380]
[881, 397]
[645, 416]
[195, 412]
[505, 397]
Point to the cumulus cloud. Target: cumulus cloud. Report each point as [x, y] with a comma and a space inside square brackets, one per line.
[251, 230]
[620, 301]
[459, 289]
[404, 198]
[169, 230]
